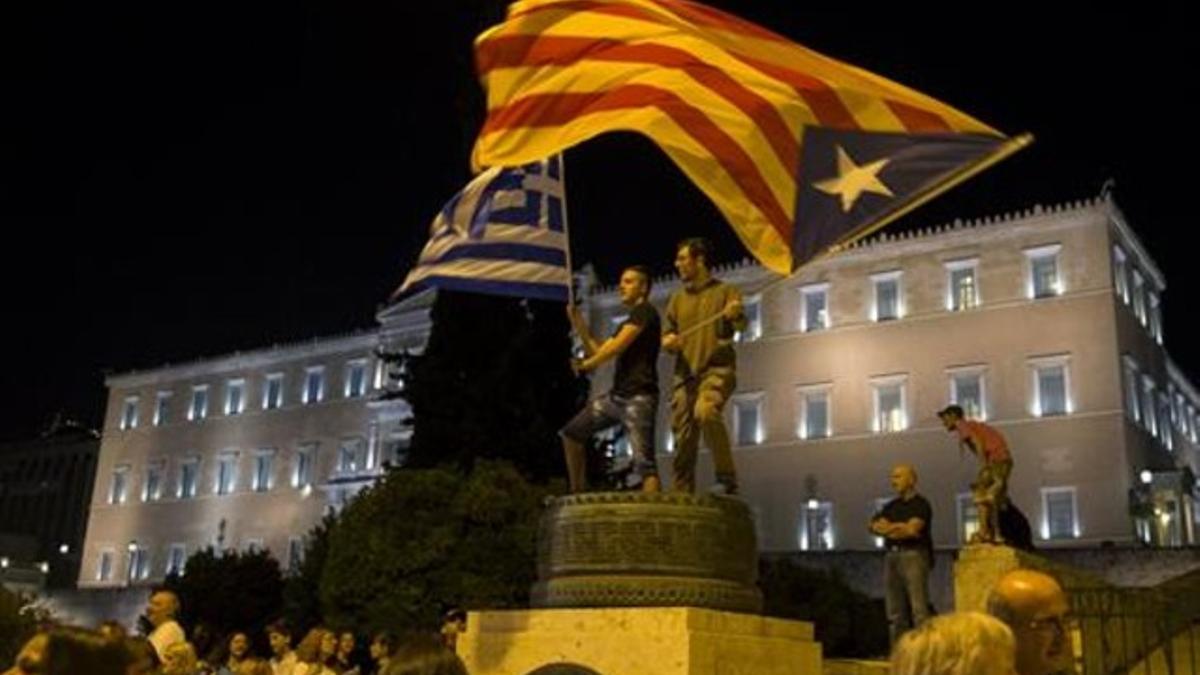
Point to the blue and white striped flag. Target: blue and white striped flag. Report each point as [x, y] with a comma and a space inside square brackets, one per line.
[503, 234]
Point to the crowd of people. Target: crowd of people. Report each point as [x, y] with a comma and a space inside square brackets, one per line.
[167, 650]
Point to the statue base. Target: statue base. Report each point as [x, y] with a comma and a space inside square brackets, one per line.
[636, 641]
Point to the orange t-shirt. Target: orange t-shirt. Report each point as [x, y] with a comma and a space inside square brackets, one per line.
[994, 448]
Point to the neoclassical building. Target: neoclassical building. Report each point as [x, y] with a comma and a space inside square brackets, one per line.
[1046, 323]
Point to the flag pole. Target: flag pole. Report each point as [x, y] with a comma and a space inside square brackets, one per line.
[562, 172]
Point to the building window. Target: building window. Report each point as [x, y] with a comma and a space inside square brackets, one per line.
[876, 506]
[816, 526]
[890, 404]
[1139, 297]
[152, 490]
[814, 418]
[1120, 274]
[888, 296]
[351, 456]
[176, 559]
[273, 392]
[235, 397]
[1194, 428]
[814, 307]
[968, 390]
[305, 458]
[129, 415]
[295, 555]
[1044, 281]
[748, 418]
[1051, 386]
[314, 385]
[395, 447]
[356, 378]
[1149, 416]
[962, 284]
[752, 307]
[120, 485]
[264, 461]
[104, 566]
[162, 408]
[199, 409]
[968, 518]
[139, 563]
[1164, 422]
[1155, 317]
[226, 473]
[1131, 389]
[188, 471]
[1058, 512]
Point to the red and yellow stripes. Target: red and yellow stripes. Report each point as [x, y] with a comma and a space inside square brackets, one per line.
[725, 99]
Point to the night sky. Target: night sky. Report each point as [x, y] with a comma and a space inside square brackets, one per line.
[189, 179]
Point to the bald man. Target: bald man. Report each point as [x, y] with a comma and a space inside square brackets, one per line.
[161, 612]
[1037, 610]
[905, 524]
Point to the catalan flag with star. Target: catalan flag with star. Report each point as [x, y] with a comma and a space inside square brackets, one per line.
[800, 152]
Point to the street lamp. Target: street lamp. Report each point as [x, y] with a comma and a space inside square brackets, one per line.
[1146, 476]
[64, 549]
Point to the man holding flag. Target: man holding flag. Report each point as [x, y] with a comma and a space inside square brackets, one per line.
[702, 318]
[633, 400]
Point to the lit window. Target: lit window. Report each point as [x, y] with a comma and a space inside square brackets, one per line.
[162, 408]
[305, 458]
[1120, 274]
[816, 526]
[890, 404]
[1139, 297]
[152, 489]
[199, 408]
[314, 385]
[814, 417]
[120, 485]
[176, 559]
[814, 307]
[129, 415]
[1051, 386]
[273, 392]
[1164, 422]
[264, 462]
[747, 419]
[139, 563]
[188, 472]
[962, 284]
[1058, 513]
[752, 307]
[351, 456]
[356, 378]
[226, 473]
[1149, 416]
[104, 566]
[968, 390]
[1155, 317]
[888, 299]
[235, 398]
[1132, 408]
[1044, 281]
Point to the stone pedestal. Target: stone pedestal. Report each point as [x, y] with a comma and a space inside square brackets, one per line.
[980, 566]
[636, 641]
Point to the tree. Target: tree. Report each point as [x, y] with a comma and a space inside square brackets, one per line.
[421, 540]
[494, 382]
[301, 600]
[19, 620]
[228, 591]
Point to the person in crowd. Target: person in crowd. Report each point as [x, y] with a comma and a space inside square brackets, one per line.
[424, 655]
[161, 612]
[1037, 610]
[283, 658]
[962, 643]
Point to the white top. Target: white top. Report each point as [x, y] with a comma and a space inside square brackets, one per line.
[288, 665]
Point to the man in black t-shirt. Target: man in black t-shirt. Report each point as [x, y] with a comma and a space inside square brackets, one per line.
[905, 523]
[633, 399]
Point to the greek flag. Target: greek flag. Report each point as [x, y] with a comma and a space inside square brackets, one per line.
[503, 234]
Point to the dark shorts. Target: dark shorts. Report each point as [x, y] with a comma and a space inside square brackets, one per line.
[635, 413]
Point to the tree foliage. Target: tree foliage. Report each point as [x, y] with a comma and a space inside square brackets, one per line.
[422, 540]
